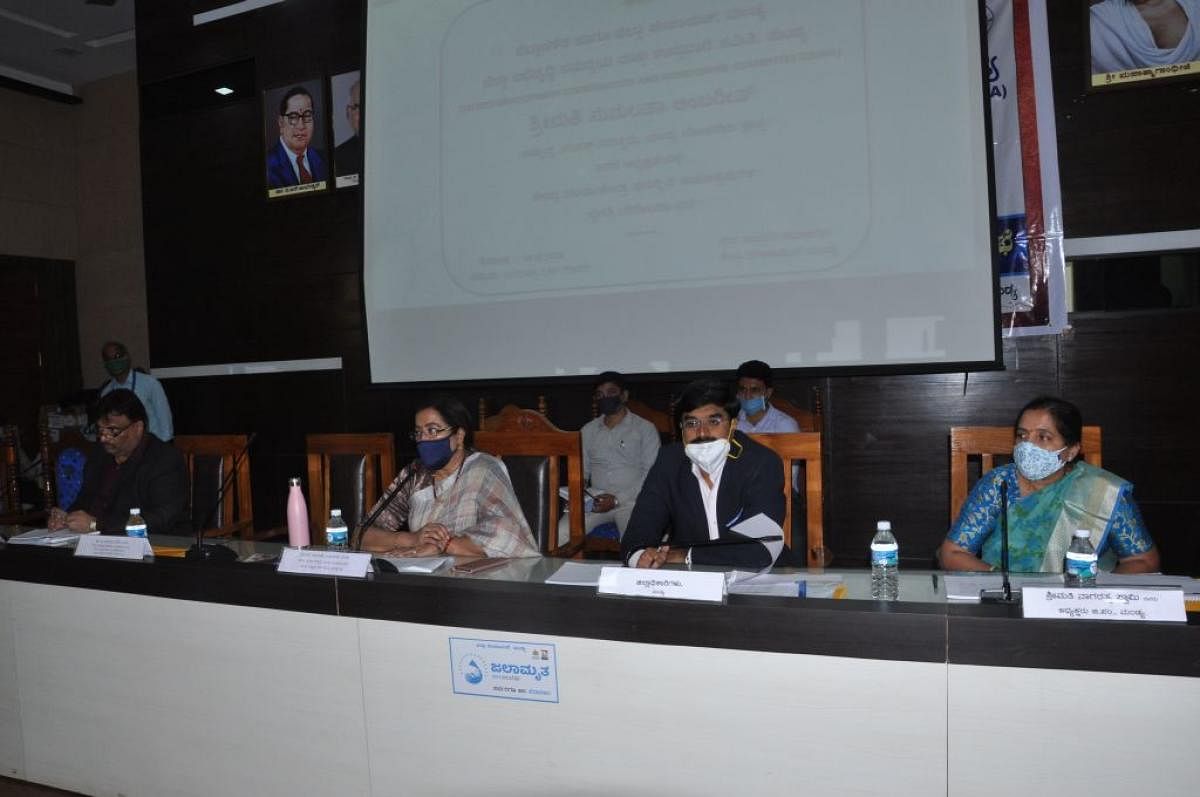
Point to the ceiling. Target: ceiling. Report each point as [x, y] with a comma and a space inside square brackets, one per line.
[63, 45]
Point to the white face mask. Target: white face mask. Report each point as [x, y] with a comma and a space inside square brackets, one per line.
[707, 456]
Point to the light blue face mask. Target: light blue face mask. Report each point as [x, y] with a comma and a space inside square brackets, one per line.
[1036, 463]
[752, 406]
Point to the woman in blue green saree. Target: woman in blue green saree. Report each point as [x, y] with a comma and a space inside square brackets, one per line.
[1051, 492]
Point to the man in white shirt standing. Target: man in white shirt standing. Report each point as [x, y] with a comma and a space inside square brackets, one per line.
[754, 390]
[119, 366]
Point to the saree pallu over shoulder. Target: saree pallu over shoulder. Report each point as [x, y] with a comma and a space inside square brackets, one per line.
[1090, 496]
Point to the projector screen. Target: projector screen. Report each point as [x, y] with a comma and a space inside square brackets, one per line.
[559, 187]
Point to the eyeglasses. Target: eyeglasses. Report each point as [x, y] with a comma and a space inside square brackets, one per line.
[112, 432]
[296, 119]
[712, 422]
[430, 432]
[599, 394]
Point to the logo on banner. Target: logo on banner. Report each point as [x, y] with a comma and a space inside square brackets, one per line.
[471, 668]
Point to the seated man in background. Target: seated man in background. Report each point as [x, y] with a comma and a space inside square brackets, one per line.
[754, 390]
[618, 449]
[698, 490]
[132, 468]
[148, 389]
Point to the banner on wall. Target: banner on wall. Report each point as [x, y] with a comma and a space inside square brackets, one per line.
[1029, 237]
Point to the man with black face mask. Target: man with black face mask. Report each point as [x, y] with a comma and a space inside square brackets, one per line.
[702, 488]
[618, 450]
[119, 366]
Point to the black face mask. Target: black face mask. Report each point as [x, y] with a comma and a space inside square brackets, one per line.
[608, 405]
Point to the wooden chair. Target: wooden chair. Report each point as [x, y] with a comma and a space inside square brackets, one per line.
[806, 447]
[11, 510]
[209, 459]
[986, 442]
[507, 417]
[348, 471]
[809, 420]
[534, 451]
[53, 444]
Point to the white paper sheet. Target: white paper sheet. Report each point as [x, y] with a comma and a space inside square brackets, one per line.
[578, 574]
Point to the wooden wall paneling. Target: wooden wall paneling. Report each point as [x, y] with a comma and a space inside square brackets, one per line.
[889, 440]
[1130, 373]
[1126, 156]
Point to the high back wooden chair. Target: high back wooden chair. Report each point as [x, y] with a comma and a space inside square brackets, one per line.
[11, 510]
[802, 447]
[808, 419]
[986, 442]
[508, 414]
[534, 451]
[210, 460]
[64, 452]
[347, 471]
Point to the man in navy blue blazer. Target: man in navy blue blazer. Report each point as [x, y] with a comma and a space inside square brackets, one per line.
[290, 161]
[698, 492]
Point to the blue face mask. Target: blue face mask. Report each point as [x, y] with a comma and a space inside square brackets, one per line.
[434, 453]
[1036, 463]
[608, 405]
[753, 406]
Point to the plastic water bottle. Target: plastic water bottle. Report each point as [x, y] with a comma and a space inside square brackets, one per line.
[885, 563]
[1079, 568]
[336, 533]
[136, 525]
[297, 515]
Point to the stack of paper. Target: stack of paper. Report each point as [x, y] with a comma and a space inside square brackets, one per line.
[54, 539]
[578, 574]
[967, 586]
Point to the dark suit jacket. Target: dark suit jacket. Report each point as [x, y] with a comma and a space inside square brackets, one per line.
[281, 173]
[670, 502]
[154, 479]
[347, 156]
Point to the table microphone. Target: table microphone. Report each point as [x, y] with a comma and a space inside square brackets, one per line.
[414, 469]
[200, 552]
[1005, 593]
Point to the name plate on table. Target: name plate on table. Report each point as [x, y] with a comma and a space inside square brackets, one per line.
[343, 564]
[111, 547]
[683, 585]
[1104, 603]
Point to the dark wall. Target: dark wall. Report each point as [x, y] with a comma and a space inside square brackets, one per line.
[1127, 161]
[232, 277]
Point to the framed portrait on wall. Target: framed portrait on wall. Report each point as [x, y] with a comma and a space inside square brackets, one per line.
[346, 92]
[1142, 41]
[294, 135]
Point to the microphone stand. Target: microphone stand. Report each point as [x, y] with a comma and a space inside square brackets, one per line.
[384, 504]
[1005, 593]
[200, 552]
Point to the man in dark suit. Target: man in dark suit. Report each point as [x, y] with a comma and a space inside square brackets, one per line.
[131, 468]
[290, 161]
[699, 489]
[347, 156]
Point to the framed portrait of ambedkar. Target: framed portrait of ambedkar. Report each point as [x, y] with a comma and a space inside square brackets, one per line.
[294, 137]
